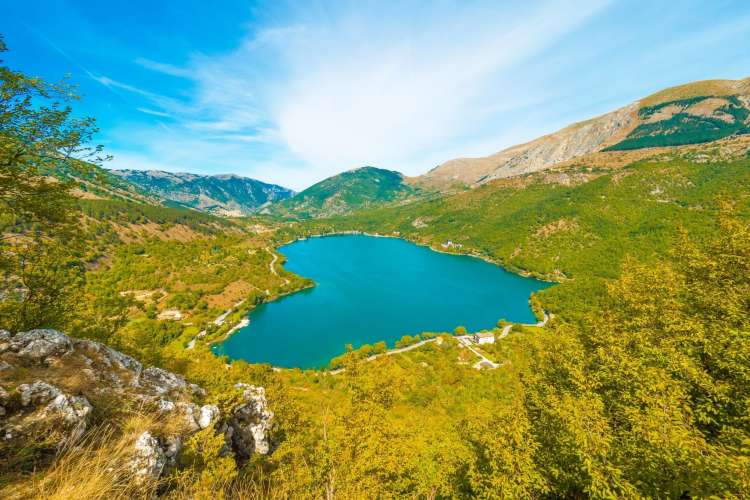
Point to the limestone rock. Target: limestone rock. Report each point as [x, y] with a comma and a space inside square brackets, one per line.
[3, 401]
[45, 403]
[172, 448]
[38, 345]
[4, 340]
[208, 415]
[162, 381]
[46, 362]
[149, 458]
[248, 429]
[165, 405]
[190, 415]
[111, 358]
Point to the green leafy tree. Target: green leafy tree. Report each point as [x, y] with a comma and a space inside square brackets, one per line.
[40, 264]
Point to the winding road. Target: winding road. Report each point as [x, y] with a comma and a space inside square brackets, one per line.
[272, 265]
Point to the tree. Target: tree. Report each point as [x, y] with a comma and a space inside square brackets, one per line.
[40, 265]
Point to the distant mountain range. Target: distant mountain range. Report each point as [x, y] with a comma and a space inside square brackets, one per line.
[226, 195]
[694, 113]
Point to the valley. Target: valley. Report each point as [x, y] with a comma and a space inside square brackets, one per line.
[609, 262]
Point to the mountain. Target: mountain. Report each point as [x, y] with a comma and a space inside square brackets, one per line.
[694, 113]
[228, 195]
[357, 189]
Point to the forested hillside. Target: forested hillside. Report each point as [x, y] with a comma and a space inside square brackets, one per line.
[637, 387]
[357, 189]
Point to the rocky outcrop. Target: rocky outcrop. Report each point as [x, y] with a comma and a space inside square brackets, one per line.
[209, 414]
[715, 108]
[52, 384]
[248, 429]
[43, 406]
[39, 345]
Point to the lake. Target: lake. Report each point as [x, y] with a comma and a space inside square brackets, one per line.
[370, 289]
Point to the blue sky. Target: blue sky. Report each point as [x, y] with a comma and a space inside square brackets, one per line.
[292, 92]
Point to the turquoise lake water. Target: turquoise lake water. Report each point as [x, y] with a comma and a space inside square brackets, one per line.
[370, 289]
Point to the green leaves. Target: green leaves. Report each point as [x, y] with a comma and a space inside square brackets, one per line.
[39, 241]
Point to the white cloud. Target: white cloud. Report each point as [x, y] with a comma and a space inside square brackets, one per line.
[153, 112]
[362, 85]
[341, 86]
[167, 69]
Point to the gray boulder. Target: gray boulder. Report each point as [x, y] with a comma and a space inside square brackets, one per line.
[38, 345]
[164, 382]
[248, 430]
[3, 401]
[45, 403]
[209, 414]
[149, 457]
[111, 359]
[4, 340]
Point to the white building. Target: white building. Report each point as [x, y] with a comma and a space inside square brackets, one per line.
[484, 338]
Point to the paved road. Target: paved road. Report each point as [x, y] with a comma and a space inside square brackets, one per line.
[223, 316]
[391, 352]
[402, 349]
[505, 332]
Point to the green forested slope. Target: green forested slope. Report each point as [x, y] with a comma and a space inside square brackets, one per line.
[575, 226]
[638, 387]
[678, 125]
[356, 189]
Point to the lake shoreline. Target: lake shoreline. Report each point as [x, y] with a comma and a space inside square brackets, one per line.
[245, 321]
[279, 249]
[521, 272]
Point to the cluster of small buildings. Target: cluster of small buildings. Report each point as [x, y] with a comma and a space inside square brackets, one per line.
[484, 338]
[450, 244]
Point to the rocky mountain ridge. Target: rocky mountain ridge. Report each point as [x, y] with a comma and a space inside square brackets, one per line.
[687, 114]
[225, 195]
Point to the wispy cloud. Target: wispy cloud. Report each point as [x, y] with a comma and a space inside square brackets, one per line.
[114, 84]
[153, 112]
[167, 69]
[341, 87]
[169, 105]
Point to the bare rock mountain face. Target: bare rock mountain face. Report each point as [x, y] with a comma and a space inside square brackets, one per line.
[55, 386]
[223, 195]
[688, 114]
